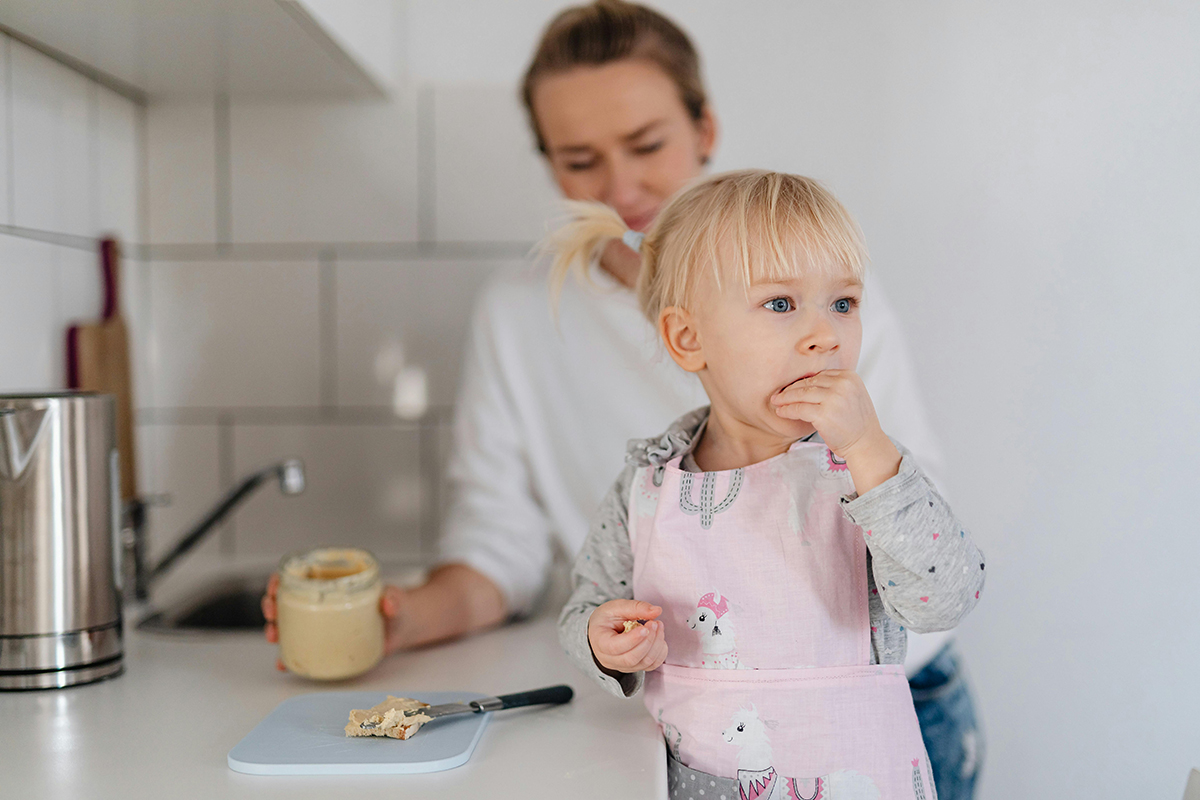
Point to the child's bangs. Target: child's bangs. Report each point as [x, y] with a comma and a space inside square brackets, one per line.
[780, 250]
[775, 228]
[747, 228]
[788, 229]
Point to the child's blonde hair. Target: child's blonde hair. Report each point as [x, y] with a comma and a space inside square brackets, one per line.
[774, 225]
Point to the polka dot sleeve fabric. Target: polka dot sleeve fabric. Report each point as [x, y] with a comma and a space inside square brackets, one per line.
[603, 571]
[926, 567]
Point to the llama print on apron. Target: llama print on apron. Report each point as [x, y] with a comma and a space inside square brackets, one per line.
[713, 621]
[758, 780]
[788, 704]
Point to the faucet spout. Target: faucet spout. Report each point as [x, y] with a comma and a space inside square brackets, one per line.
[289, 474]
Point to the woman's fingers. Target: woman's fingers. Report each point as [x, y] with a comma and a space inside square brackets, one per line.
[391, 604]
[390, 601]
[270, 630]
[268, 600]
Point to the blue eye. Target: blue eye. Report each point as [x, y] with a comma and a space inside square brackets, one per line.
[779, 305]
[844, 305]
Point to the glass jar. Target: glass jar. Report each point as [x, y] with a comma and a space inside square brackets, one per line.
[327, 610]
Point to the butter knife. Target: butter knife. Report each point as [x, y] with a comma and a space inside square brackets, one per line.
[553, 695]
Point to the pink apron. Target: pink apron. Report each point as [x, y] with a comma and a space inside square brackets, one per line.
[763, 585]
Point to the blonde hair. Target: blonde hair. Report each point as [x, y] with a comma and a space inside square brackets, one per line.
[612, 30]
[772, 225]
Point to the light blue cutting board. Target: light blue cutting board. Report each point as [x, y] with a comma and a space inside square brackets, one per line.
[305, 735]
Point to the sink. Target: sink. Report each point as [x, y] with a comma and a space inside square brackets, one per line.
[229, 604]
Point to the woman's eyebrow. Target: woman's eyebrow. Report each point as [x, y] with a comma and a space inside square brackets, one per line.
[574, 149]
[642, 131]
[586, 149]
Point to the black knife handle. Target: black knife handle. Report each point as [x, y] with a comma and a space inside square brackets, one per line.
[551, 694]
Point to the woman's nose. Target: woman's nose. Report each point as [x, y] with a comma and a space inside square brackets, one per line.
[622, 188]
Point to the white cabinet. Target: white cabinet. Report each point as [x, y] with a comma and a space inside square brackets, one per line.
[242, 49]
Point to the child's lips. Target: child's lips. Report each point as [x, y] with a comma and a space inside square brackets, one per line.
[793, 383]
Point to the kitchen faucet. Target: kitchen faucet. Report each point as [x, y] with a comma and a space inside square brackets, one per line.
[290, 474]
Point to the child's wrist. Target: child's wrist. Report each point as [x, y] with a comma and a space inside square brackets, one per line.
[872, 461]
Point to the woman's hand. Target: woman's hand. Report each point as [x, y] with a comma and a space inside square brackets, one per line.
[391, 603]
[837, 404]
[642, 648]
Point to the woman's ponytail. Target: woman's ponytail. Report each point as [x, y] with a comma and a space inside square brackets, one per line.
[575, 245]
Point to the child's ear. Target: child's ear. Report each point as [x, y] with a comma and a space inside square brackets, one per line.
[677, 327]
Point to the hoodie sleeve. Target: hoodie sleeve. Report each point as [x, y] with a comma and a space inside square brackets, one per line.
[928, 570]
[603, 571]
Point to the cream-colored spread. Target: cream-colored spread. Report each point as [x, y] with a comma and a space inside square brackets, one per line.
[328, 613]
[388, 719]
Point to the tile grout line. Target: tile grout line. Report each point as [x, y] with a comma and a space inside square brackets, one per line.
[426, 168]
[223, 169]
[94, 153]
[143, 199]
[427, 476]
[145, 326]
[327, 330]
[299, 416]
[8, 124]
[342, 251]
[225, 478]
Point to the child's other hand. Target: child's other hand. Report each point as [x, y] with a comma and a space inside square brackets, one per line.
[837, 404]
[642, 648]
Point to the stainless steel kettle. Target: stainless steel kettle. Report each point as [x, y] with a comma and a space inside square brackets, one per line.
[60, 599]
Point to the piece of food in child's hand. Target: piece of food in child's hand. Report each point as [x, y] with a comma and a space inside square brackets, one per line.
[630, 624]
[388, 719]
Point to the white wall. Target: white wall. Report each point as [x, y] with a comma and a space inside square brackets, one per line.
[1026, 176]
[69, 172]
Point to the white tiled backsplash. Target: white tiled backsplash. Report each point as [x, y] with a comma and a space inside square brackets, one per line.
[293, 257]
[68, 172]
[324, 172]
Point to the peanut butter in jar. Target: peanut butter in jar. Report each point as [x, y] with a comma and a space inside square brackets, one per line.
[327, 610]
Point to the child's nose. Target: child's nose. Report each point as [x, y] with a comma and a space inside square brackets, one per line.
[819, 336]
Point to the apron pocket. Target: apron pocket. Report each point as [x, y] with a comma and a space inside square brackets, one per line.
[848, 726]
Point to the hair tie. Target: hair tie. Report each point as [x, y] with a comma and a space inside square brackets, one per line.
[633, 240]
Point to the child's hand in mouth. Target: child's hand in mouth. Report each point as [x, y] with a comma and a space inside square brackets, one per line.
[836, 403]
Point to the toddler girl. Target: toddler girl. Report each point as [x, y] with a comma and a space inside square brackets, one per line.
[753, 568]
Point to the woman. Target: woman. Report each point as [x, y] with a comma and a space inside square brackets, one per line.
[618, 108]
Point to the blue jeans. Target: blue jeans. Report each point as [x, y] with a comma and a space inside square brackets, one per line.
[947, 717]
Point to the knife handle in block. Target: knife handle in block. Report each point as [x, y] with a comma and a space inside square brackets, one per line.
[552, 694]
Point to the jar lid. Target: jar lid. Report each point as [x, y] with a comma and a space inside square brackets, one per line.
[330, 569]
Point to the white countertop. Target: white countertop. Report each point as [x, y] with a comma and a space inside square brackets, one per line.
[163, 728]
